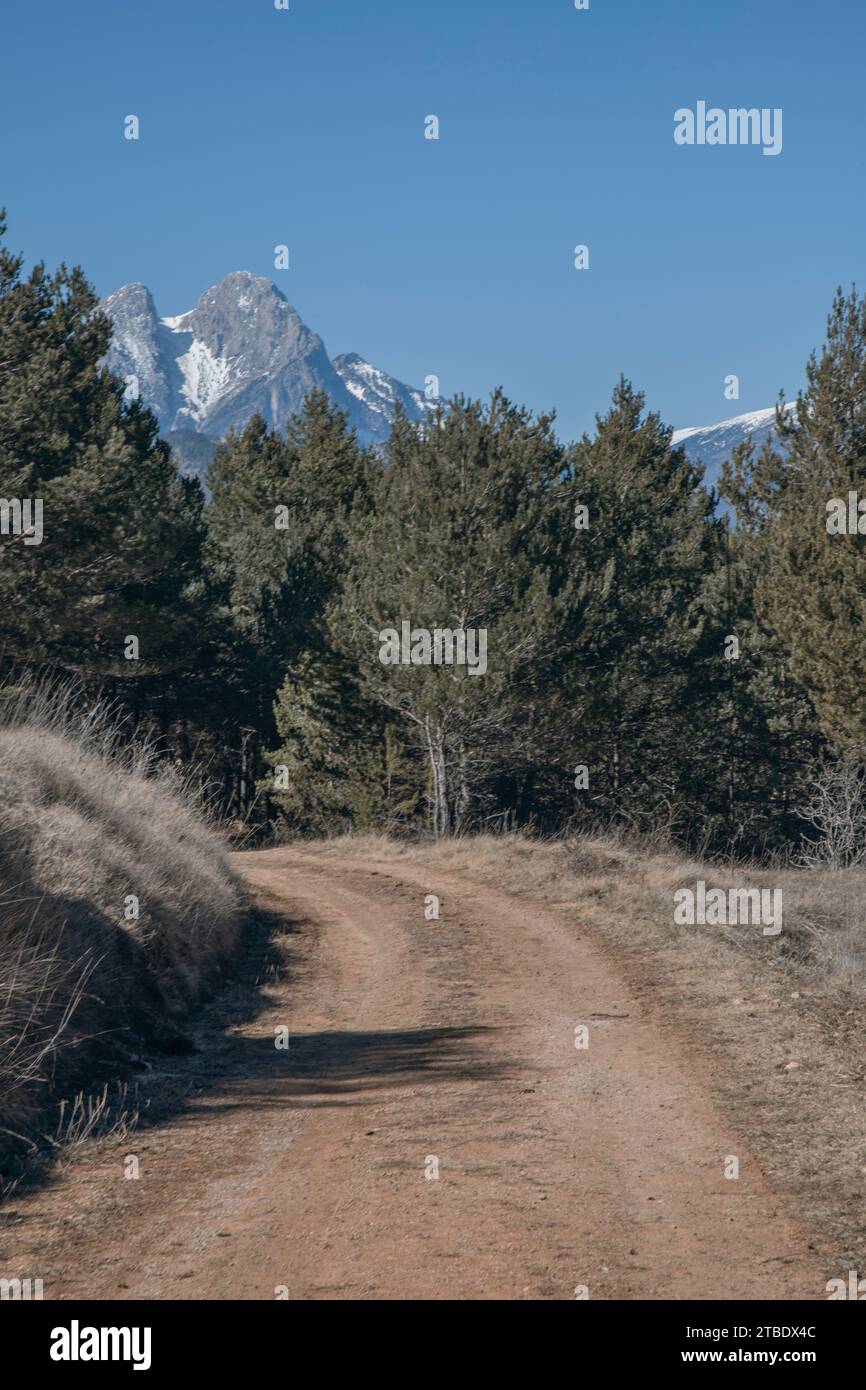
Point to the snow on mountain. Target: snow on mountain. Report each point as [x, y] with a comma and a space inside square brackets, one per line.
[713, 444]
[206, 379]
[377, 391]
[243, 349]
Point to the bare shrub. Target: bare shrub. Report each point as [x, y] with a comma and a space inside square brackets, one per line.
[836, 811]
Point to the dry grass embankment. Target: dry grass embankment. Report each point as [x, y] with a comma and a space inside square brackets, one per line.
[86, 825]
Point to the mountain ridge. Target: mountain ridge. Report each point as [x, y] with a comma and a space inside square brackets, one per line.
[244, 349]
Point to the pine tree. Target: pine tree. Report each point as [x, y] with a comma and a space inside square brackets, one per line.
[642, 655]
[773, 731]
[277, 529]
[812, 588]
[120, 553]
[341, 762]
[462, 537]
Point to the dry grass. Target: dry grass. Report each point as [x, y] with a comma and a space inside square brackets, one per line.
[775, 1023]
[85, 823]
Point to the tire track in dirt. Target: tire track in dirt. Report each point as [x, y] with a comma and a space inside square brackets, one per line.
[413, 1041]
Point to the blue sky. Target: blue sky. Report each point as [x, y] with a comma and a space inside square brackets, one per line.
[455, 256]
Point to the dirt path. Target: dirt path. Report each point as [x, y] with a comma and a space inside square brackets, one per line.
[414, 1045]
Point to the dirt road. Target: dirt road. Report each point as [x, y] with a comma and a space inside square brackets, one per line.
[420, 1047]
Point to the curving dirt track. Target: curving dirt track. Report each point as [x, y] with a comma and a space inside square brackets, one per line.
[415, 1044]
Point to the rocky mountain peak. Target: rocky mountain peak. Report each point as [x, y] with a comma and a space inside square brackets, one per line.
[242, 349]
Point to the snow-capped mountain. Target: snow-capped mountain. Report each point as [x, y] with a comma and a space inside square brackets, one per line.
[242, 349]
[713, 444]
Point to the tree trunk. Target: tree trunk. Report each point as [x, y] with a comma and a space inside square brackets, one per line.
[436, 752]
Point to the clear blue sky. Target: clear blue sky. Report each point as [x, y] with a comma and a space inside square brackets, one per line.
[455, 257]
